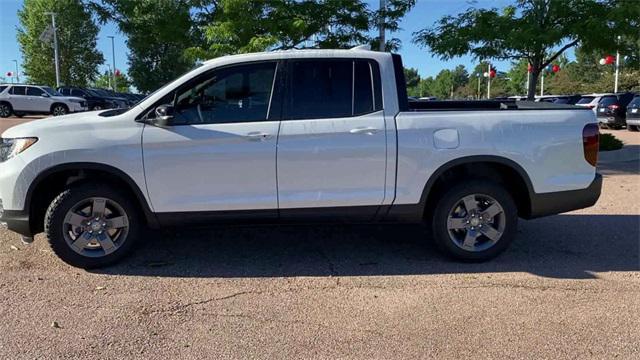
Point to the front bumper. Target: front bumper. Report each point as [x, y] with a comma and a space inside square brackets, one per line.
[633, 121]
[562, 201]
[78, 107]
[16, 221]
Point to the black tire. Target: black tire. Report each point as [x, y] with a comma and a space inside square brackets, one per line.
[5, 110]
[55, 226]
[59, 110]
[603, 126]
[18, 115]
[439, 220]
[633, 128]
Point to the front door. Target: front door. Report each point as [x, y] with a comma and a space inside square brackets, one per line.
[220, 153]
[332, 144]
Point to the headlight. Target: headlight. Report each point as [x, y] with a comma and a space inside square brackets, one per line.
[12, 147]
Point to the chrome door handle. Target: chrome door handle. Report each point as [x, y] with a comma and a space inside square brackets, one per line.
[258, 136]
[364, 130]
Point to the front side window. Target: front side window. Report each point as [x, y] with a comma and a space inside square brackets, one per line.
[332, 88]
[78, 92]
[234, 94]
[34, 91]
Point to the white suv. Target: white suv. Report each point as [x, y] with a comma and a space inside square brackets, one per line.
[31, 99]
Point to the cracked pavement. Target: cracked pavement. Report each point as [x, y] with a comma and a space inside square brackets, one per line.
[569, 287]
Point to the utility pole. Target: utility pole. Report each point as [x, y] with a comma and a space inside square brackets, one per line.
[55, 46]
[488, 81]
[113, 53]
[615, 85]
[109, 75]
[17, 72]
[383, 8]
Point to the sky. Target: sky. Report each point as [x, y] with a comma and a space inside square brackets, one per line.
[423, 15]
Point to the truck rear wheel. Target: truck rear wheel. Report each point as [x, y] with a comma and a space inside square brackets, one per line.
[475, 220]
[91, 225]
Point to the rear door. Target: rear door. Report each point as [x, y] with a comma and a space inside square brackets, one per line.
[18, 98]
[332, 143]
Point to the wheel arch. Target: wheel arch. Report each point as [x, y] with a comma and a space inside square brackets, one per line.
[58, 103]
[47, 184]
[493, 167]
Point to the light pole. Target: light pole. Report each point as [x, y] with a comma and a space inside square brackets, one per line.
[615, 85]
[383, 7]
[113, 53]
[109, 75]
[17, 72]
[55, 46]
[489, 81]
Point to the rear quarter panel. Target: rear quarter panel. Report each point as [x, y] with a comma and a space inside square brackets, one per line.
[547, 144]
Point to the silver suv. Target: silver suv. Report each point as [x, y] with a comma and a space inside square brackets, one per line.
[33, 99]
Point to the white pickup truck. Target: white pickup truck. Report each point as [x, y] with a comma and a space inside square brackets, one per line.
[317, 135]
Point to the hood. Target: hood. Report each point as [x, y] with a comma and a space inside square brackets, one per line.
[65, 124]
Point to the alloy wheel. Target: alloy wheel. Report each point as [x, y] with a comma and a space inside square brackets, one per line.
[5, 111]
[59, 110]
[96, 227]
[476, 222]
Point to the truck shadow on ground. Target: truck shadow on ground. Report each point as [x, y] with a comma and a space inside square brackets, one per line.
[563, 246]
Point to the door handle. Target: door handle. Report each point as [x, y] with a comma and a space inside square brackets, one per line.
[258, 136]
[364, 130]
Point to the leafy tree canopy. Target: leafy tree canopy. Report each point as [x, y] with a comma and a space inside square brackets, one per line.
[77, 34]
[536, 30]
[105, 81]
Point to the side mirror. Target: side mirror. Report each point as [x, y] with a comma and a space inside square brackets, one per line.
[164, 115]
[45, 94]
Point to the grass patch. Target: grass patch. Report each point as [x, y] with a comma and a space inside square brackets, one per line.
[609, 142]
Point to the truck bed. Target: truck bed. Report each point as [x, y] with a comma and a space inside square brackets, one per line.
[478, 105]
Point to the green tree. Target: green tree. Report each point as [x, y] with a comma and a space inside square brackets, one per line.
[412, 79]
[77, 34]
[536, 30]
[158, 34]
[241, 26]
[105, 81]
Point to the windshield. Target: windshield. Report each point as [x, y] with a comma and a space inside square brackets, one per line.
[585, 100]
[50, 91]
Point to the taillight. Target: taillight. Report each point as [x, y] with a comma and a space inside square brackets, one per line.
[591, 143]
[591, 106]
[613, 107]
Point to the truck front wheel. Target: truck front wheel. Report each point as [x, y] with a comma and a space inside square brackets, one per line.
[474, 220]
[91, 225]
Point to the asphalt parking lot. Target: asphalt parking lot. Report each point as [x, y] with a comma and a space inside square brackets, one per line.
[569, 287]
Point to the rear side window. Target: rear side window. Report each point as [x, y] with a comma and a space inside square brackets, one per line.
[332, 88]
[585, 100]
[608, 100]
[2, 88]
[17, 90]
[562, 101]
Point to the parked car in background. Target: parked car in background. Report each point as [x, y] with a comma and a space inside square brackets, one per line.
[132, 99]
[95, 101]
[22, 100]
[591, 101]
[119, 101]
[567, 99]
[633, 114]
[612, 110]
